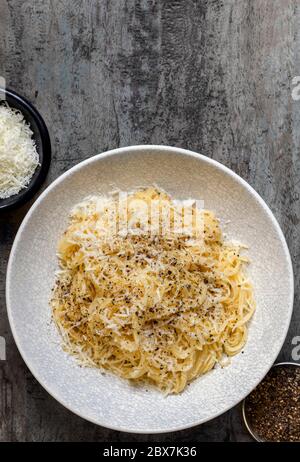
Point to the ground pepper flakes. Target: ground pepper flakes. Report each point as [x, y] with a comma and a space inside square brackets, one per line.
[273, 408]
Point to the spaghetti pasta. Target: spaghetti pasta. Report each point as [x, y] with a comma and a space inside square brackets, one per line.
[159, 304]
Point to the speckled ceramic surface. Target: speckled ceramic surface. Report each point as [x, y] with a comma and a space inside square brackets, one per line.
[108, 400]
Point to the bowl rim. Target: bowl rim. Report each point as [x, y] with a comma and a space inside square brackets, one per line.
[128, 150]
[244, 413]
[25, 195]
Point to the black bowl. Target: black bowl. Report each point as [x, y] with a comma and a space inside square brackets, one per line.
[43, 146]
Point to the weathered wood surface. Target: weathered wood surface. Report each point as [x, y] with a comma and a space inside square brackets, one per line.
[211, 76]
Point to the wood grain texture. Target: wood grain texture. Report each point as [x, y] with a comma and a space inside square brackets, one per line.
[211, 76]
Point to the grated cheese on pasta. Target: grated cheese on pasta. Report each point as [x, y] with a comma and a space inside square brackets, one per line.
[157, 306]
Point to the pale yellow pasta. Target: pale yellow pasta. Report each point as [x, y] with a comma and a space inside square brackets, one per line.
[157, 306]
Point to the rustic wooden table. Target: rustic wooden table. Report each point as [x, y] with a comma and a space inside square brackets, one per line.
[211, 76]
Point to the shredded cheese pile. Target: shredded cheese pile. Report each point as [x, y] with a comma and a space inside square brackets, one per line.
[18, 154]
[159, 307]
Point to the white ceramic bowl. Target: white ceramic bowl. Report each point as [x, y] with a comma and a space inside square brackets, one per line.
[105, 399]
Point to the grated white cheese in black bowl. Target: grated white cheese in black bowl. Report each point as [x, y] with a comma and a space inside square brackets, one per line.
[18, 154]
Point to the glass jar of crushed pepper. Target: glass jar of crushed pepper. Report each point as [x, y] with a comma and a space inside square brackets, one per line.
[272, 411]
